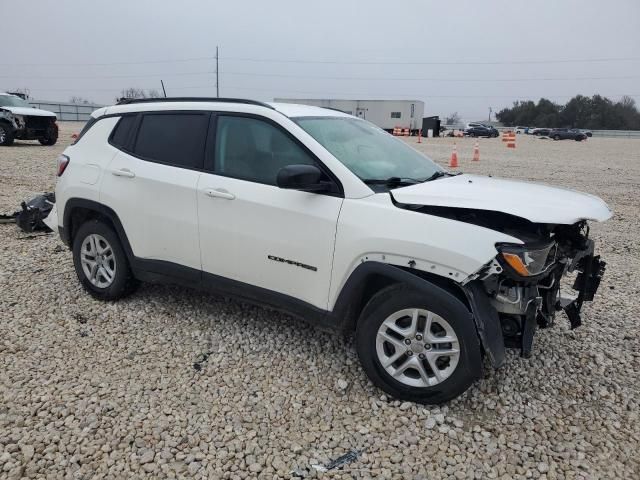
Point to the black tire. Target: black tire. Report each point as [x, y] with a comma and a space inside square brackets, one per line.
[7, 134]
[52, 136]
[399, 297]
[472, 135]
[556, 137]
[123, 282]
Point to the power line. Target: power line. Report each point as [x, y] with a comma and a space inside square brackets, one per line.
[159, 74]
[322, 77]
[143, 62]
[324, 93]
[449, 62]
[337, 62]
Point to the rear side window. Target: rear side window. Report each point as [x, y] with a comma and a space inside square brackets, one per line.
[120, 135]
[175, 139]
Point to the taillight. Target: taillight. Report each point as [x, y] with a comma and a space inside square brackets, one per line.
[63, 161]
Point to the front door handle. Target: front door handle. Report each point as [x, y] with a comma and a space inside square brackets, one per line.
[219, 193]
[123, 172]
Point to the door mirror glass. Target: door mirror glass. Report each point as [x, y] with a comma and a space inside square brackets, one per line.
[307, 178]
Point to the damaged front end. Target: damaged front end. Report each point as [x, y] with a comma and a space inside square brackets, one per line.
[522, 288]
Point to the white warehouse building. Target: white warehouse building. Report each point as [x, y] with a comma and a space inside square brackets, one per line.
[386, 114]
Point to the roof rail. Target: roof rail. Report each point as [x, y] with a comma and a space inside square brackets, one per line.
[128, 101]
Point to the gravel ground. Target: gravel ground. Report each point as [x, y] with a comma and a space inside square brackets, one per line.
[172, 383]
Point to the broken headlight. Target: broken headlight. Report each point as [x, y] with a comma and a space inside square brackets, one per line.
[527, 260]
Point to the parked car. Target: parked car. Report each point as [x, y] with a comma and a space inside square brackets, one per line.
[567, 134]
[480, 130]
[541, 132]
[328, 217]
[521, 129]
[21, 121]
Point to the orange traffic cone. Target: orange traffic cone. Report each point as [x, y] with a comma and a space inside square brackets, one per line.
[511, 142]
[476, 153]
[419, 136]
[453, 163]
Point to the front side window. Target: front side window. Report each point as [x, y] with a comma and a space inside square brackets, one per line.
[368, 151]
[255, 150]
[175, 138]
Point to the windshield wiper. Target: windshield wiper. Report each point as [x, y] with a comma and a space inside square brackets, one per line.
[438, 174]
[391, 181]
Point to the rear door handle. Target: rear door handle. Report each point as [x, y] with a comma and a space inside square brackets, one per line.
[219, 193]
[123, 172]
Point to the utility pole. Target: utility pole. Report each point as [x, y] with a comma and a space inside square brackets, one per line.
[490, 110]
[163, 90]
[217, 76]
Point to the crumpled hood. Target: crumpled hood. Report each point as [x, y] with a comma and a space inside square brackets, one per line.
[33, 112]
[536, 202]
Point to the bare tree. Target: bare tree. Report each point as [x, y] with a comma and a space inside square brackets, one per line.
[452, 119]
[131, 92]
[79, 100]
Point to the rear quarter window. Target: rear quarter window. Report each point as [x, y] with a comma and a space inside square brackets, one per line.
[85, 129]
[122, 132]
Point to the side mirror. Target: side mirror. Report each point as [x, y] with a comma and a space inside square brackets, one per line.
[306, 178]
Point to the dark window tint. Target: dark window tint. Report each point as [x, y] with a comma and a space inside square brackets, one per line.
[396, 114]
[85, 129]
[255, 150]
[121, 133]
[176, 138]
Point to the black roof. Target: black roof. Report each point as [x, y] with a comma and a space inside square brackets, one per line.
[128, 101]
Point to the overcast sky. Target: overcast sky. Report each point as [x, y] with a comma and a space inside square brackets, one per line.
[463, 56]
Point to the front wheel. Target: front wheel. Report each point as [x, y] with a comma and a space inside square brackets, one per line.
[556, 137]
[417, 347]
[51, 137]
[7, 134]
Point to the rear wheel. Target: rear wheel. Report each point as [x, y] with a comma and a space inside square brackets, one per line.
[100, 262]
[556, 137]
[418, 348]
[7, 134]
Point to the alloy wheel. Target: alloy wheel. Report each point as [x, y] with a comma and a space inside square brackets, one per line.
[417, 347]
[98, 260]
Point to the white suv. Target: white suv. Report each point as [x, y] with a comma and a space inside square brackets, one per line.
[325, 216]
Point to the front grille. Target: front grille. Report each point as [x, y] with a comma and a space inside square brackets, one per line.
[37, 123]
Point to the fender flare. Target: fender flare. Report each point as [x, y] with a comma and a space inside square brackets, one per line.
[486, 320]
[73, 203]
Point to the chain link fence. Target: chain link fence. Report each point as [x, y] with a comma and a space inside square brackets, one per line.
[67, 111]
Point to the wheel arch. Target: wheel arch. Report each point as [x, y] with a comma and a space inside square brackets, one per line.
[371, 277]
[79, 210]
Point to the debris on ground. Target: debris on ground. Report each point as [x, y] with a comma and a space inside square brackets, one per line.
[31, 217]
[200, 360]
[341, 461]
[8, 218]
